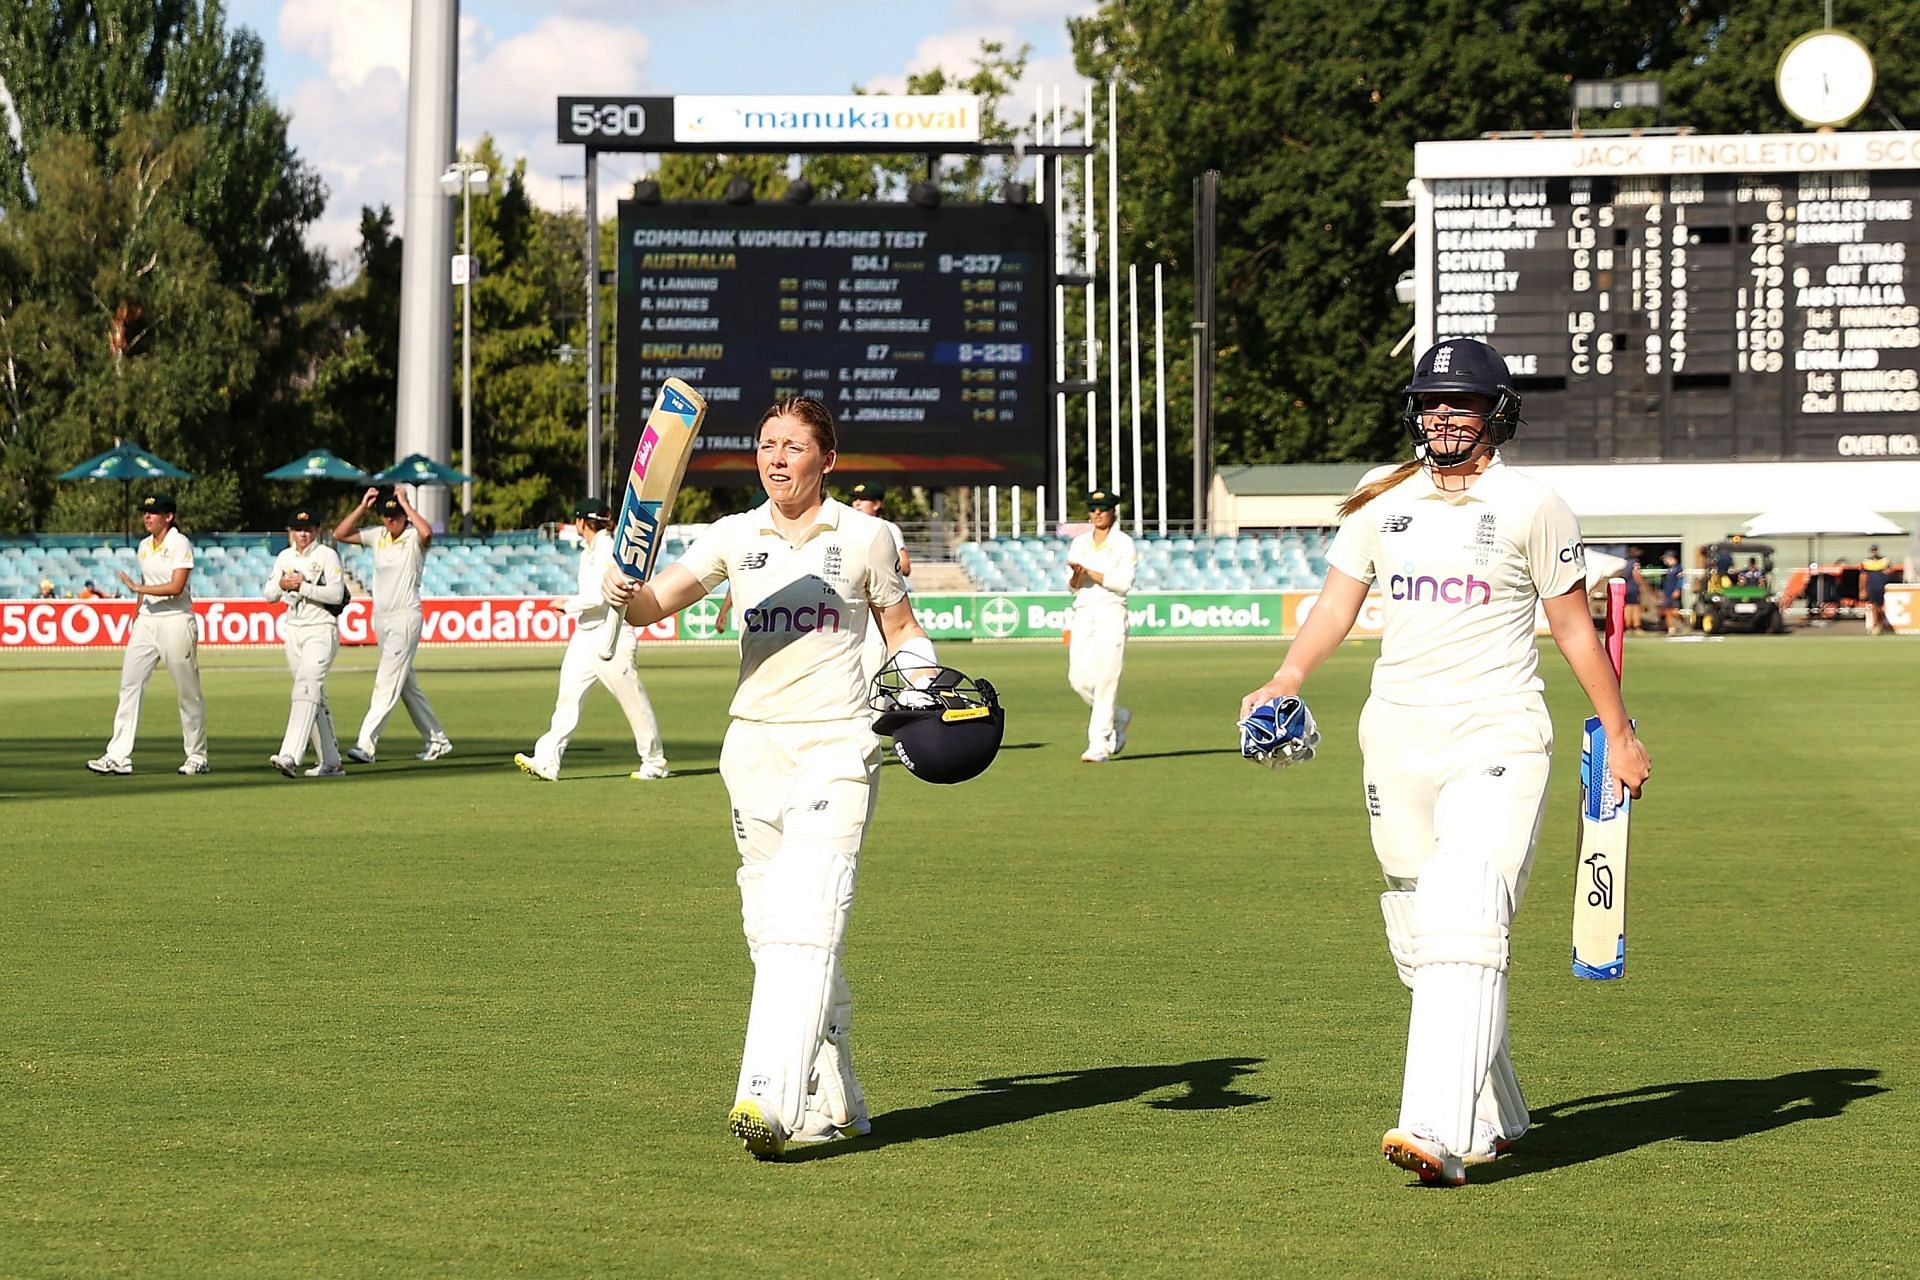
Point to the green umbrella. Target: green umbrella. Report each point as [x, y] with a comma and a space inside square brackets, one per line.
[419, 469]
[126, 463]
[321, 464]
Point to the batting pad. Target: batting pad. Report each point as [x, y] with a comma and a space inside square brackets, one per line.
[1501, 1103]
[1461, 916]
[806, 893]
[1396, 908]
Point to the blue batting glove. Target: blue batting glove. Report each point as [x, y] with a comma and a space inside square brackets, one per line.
[1279, 733]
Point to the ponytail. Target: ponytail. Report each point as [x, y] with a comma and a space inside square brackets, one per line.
[1368, 492]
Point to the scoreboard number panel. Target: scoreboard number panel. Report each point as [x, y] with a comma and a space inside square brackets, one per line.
[926, 331]
[1683, 297]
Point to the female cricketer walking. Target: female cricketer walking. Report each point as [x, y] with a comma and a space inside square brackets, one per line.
[800, 761]
[307, 577]
[399, 557]
[1455, 736]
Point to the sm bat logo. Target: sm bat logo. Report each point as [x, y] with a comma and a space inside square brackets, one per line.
[638, 539]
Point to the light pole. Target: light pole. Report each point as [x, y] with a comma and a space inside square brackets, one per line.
[463, 178]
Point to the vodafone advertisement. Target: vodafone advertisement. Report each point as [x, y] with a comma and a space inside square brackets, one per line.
[104, 624]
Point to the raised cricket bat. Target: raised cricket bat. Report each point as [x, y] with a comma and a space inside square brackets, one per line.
[1600, 878]
[659, 463]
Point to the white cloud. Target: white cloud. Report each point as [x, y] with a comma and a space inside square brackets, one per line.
[1027, 12]
[351, 39]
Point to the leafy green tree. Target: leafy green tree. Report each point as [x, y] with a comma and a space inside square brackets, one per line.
[113, 320]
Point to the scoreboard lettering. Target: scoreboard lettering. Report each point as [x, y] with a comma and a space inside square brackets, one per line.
[1684, 298]
[926, 331]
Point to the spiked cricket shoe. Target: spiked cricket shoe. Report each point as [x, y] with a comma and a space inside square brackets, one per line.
[1418, 1151]
[534, 769]
[1489, 1144]
[287, 765]
[321, 771]
[359, 755]
[194, 767]
[107, 764]
[435, 750]
[651, 772]
[815, 1128]
[758, 1129]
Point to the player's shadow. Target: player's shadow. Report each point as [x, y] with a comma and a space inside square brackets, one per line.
[1206, 1085]
[1607, 1124]
[1169, 755]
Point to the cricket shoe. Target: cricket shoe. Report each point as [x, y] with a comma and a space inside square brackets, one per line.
[758, 1129]
[1121, 720]
[816, 1127]
[1489, 1144]
[321, 771]
[193, 768]
[534, 769]
[1418, 1151]
[287, 765]
[1093, 755]
[435, 750]
[107, 764]
[651, 772]
[359, 755]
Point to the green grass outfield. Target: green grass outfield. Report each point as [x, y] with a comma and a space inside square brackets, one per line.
[1135, 1019]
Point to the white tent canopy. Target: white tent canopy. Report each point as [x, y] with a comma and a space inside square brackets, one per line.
[1821, 519]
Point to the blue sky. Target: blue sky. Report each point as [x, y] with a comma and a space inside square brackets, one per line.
[339, 67]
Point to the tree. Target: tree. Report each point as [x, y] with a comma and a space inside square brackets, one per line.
[85, 71]
[1311, 114]
[113, 320]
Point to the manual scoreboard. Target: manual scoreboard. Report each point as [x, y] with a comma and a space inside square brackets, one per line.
[1684, 297]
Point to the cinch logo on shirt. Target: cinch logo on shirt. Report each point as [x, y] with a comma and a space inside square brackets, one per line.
[1446, 590]
[804, 620]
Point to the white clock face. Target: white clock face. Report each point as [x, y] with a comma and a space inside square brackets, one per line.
[1825, 78]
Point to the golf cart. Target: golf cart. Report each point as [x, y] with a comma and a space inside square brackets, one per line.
[1734, 597]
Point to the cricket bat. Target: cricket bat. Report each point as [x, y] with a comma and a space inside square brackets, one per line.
[1600, 877]
[659, 464]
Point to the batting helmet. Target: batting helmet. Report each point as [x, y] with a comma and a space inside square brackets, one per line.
[946, 729]
[1463, 366]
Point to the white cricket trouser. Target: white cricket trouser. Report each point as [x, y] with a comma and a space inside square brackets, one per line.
[1095, 655]
[156, 638]
[802, 795]
[1460, 789]
[398, 634]
[310, 654]
[579, 670]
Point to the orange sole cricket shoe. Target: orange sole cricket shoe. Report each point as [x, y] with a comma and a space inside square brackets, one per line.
[1419, 1152]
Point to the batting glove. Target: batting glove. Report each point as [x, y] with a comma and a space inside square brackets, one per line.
[1279, 733]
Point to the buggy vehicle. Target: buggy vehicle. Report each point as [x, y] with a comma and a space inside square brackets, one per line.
[1733, 598]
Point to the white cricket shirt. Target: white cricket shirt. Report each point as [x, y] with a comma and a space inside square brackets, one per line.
[397, 566]
[320, 566]
[803, 609]
[158, 560]
[1114, 561]
[586, 604]
[1460, 576]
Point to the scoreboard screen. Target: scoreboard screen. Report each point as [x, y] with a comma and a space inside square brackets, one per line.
[1684, 297]
[926, 331]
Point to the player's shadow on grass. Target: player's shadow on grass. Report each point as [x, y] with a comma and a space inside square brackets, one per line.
[1206, 1085]
[1169, 755]
[1607, 1124]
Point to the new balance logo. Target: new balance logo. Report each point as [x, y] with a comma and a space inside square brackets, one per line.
[818, 806]
[1396, 524]
[753, 560]
[1496, 771]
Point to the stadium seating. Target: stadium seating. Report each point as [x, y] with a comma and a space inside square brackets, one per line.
[236, 565]
[1291, 561]
[514, 564]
